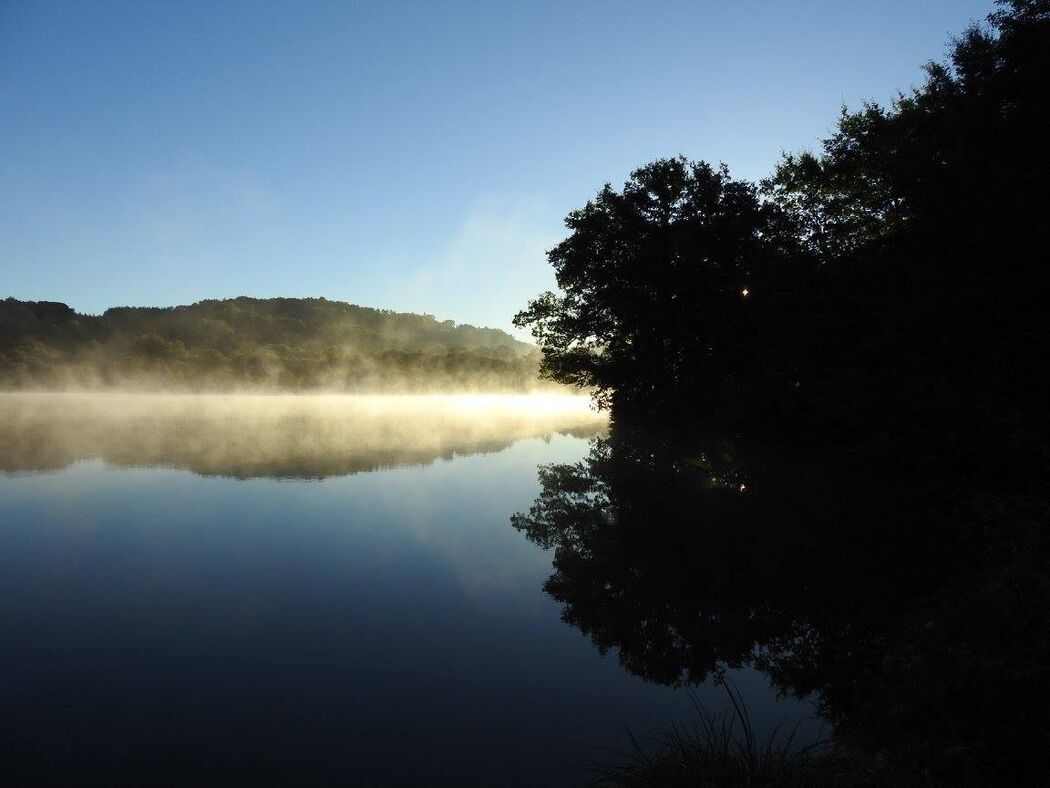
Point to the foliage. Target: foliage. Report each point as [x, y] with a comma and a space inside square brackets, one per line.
[896, 279]
[652, 281]
[721, 749]
[892, 561]
[253, 343]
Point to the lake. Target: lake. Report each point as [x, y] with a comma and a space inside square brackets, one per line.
[304, 590]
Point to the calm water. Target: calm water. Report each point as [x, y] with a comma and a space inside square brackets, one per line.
[300, 590]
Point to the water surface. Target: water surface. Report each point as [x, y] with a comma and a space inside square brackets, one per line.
[305, 590]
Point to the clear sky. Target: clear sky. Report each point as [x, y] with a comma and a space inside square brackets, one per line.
[413, 156]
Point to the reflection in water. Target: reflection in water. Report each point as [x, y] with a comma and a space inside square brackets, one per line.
[372, 629]
[922, 636]
[277, 436]
[160, 627]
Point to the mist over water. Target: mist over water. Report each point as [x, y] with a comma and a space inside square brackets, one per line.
[286, 436]
[299, 590]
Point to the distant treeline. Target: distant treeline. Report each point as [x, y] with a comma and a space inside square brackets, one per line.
[278, 343]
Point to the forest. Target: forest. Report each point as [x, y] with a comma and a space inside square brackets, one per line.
[249, 343]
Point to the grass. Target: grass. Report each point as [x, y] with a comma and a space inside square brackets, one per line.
[721, 749]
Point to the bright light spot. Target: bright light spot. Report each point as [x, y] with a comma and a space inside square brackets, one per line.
[745, 292]
[743, 487]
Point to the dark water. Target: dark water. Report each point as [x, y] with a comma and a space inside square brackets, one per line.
[301, 591]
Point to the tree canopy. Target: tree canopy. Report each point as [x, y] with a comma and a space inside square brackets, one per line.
[888, 287]
[286, 343]
[653, 279]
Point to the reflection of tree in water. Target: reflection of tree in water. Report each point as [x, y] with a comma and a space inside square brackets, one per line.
[929, 648]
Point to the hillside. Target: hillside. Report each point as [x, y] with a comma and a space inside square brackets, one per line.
[238, 343]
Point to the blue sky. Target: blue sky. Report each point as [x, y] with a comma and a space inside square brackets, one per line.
[414, 156]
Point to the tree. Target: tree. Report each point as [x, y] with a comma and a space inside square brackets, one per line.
[896, 280]
[655, 282]
[928, 219]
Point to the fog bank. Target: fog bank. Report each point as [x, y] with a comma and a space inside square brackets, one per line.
[286, 436]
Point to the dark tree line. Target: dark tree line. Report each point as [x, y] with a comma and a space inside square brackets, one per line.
[889, 290]
[282, 343]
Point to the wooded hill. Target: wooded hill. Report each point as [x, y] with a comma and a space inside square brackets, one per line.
[277, 343]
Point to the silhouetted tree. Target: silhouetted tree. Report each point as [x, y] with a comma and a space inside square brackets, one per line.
[896, 279]
[655, 283]
[896, 326]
